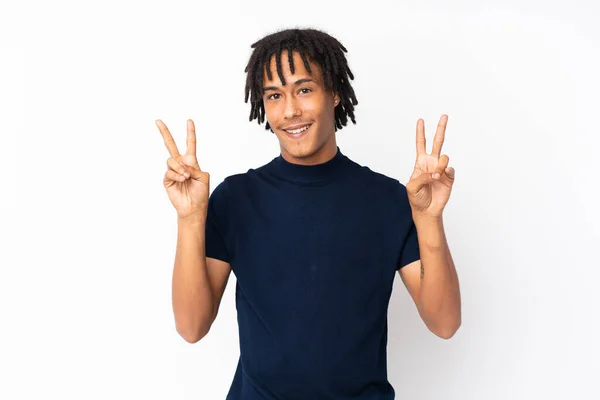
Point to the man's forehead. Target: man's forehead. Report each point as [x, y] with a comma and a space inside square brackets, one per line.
[300, 71]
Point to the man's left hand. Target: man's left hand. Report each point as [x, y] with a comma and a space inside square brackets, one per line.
[431, 182]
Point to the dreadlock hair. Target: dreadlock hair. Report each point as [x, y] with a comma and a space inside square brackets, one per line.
[313, 45]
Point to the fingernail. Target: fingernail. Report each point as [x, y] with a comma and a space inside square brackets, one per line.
[186, 174]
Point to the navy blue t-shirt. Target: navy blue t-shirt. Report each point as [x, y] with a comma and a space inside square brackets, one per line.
[315, 250]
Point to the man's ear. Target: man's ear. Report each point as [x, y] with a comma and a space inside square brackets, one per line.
[336, 99]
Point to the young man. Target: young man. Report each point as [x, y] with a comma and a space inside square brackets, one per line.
[313, 238]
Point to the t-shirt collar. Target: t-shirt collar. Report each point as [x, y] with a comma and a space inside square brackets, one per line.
[309, 174]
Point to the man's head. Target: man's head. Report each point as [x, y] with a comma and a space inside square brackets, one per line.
[300, 77]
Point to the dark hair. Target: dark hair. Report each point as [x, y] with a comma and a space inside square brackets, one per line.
[313, 45]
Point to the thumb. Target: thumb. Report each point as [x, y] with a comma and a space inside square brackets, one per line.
[417, 183]
[194, 172]
[199, 175]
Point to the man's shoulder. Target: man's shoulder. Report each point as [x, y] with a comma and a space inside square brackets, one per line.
[378, 176]
[378, 179]
[249, 175]
[240, 179]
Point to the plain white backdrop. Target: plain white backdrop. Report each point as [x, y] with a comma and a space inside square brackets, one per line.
[89, 235]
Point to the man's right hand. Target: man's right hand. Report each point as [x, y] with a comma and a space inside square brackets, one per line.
[186, 185]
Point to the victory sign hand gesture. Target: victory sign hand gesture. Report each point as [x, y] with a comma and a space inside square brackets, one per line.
[431, 182]
[187, 186]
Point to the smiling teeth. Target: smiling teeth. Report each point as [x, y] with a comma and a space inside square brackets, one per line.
[295, 131]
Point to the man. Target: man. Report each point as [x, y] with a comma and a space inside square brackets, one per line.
[313, 238]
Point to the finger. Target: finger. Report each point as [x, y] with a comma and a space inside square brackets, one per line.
[191, 138]
[450, 172]
[172, 176]
[440, 133]
[441, 167]
[421, 137]
[168, 139]
[178, 167]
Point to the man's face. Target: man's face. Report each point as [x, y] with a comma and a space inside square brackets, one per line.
[302, 101]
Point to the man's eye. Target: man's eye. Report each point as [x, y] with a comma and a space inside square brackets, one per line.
[271, 96]
[307, 90]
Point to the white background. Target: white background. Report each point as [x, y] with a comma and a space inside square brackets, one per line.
[89, 235]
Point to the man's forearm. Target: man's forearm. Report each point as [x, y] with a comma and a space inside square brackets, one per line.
[439, 295]
[192, 295]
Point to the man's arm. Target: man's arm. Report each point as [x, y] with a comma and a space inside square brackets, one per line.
[198, 282]
[432, 281]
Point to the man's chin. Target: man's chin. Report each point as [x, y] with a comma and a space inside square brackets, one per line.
[301, 146]
[299, 153]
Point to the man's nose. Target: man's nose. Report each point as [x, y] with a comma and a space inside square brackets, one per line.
[291, 109]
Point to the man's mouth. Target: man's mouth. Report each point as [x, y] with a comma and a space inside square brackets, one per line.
[298, 131]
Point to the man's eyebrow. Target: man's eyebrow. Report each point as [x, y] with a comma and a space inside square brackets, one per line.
[298, 82]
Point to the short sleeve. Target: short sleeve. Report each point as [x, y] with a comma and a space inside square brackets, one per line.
[410, 245]
[217, 224]
[410, 249]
